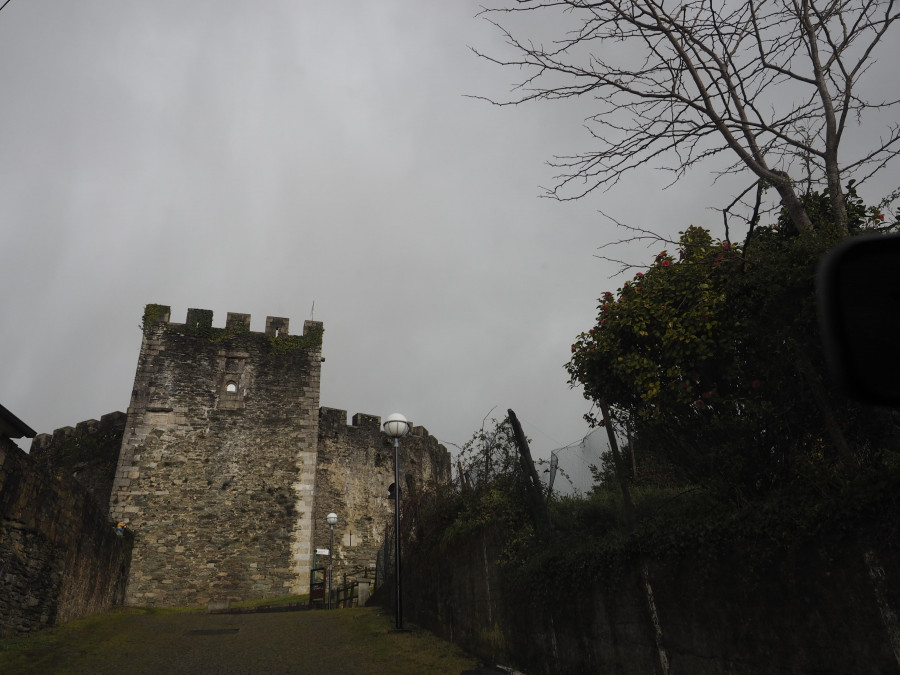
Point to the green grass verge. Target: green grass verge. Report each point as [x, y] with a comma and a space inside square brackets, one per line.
[185, 640]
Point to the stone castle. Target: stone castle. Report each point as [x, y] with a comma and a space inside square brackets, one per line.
[227, 465]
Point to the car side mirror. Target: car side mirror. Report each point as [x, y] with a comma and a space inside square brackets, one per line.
[858, 291]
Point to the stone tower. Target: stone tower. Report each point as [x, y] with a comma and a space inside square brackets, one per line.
[216, 474]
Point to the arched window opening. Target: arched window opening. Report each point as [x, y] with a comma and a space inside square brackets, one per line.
[231, 388]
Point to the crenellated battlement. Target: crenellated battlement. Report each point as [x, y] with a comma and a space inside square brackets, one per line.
[88, 451]
[200, 322]
[334, 421]
[111, 422]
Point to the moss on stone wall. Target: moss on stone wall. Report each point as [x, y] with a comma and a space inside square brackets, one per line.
[241, 335]
[153, 313]
[312, 339]
[199, 323]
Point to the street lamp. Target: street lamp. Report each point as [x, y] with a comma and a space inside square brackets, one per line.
[331, 519]
[396, 426]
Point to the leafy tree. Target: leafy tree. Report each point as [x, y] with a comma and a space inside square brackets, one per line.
[774, 84]
[714, 355]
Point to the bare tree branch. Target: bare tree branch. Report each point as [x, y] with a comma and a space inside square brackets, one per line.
[773, 83]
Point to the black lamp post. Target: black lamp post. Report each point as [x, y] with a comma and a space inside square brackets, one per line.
[331, 519]
[397, 426]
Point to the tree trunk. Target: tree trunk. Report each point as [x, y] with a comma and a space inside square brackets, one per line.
[617, 460]
[792, 204]
[535, 489]
[836, 195]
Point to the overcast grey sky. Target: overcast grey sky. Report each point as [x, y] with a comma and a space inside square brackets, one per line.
[262, 156]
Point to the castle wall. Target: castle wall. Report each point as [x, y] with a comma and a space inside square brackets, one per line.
[88, 452]
[355, 468]
[60, 558]
[217, 466]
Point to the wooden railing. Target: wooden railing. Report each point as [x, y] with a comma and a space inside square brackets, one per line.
[347, 594]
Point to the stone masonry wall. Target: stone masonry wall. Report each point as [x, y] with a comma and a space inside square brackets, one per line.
[88, 452]
[60, 558]
[355, 469]
[217, 466]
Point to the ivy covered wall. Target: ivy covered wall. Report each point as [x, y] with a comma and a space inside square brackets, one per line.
[773, 589]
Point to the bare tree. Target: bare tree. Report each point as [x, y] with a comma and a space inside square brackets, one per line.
[771, 84]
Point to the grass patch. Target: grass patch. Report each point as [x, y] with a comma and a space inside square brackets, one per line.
[185, 640]
[48, 649]
[417, 651]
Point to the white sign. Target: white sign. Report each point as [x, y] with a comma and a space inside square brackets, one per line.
[323, 551]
